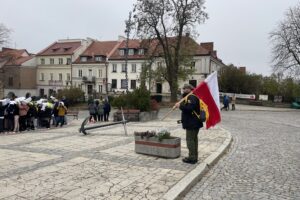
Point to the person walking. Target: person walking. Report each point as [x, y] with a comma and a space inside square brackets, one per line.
[100, 111]
[190, 122]
[225, 103]
[92, 111]
[233, 99]
[62, 110]
[106, 109]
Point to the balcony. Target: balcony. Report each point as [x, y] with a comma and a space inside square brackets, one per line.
[89, 79]
[55, 83]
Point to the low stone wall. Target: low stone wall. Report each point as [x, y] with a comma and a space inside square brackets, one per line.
[135, 115]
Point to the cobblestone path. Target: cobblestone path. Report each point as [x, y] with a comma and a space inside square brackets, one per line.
[263, 162]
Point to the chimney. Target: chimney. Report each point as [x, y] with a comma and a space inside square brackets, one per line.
[208, 46]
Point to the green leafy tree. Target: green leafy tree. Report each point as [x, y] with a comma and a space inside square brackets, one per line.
[167, 21]
[73, 94]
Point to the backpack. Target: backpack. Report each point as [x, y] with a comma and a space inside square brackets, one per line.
[203, 115]
[10, 109]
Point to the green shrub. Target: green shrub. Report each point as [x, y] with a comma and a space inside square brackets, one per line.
[138, 99]
[72, 94]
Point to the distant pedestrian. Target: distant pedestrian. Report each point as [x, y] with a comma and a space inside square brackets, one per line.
[106, 109]
[233, 99]
[99, 110]
[225, 103]
[62, 110]
[92, 111]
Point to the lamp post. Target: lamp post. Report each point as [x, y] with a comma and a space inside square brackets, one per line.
[127, 32]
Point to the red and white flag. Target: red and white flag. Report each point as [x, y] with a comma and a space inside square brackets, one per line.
[208, 92]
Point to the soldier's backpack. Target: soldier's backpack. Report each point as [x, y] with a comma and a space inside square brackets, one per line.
[203, 115]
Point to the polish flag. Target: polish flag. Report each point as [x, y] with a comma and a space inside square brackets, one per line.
[208, 92]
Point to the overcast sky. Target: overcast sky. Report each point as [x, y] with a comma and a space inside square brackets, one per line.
[238, 28]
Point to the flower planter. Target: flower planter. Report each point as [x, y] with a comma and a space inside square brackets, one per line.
[167, 148]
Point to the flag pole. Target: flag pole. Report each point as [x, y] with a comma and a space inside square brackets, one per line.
[173, 108]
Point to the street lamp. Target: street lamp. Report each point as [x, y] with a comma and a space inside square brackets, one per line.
[127, 32]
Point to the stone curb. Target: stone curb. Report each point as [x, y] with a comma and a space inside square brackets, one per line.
[194, 176]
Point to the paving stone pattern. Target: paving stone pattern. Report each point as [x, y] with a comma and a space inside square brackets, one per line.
[263, 162]
[60, 163]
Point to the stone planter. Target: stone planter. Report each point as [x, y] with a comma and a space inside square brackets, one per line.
[167, 148]
[135, 115]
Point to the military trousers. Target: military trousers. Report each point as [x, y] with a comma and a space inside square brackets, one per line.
[192, 143]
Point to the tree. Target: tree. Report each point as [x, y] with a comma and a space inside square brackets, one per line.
[73, 94]
[286, 43]
[167, 21]
[4, 35]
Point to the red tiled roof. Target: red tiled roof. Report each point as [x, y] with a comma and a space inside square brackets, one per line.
[60, 48]
[19, 61]
[14, 56]
[98, 48]
[193, 48]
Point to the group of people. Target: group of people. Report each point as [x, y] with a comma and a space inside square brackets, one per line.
[21, 114]
[226, 102]
[99, 110]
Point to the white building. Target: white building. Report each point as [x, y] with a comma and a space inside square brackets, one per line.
[89, 71]
[54, 65]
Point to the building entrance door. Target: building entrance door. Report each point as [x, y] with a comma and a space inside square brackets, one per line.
[89, 89]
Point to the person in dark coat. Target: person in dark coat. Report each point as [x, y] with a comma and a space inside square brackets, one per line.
[190, 122]
[106, 109]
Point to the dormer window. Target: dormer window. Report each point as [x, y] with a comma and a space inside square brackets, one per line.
[55, 49]
[141, 51]
[130, 52]
[98, 58]
[67, 48]
[121, 52]
[83, 59]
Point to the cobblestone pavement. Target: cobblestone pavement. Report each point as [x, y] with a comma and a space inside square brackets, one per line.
[60, 163]
[263, 162]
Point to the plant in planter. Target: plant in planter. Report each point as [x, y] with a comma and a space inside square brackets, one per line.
[160, 144]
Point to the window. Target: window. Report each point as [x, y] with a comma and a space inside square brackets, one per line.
[159, 64]
[98, 58]
[68, 61]
[90, 72]
[133, 84]
[114, 83]
[60, 76]
[42, 92]
[68, 76]
[193, 65]
[42, 77]
[121, 52]
[60, 61]
[80, 73]
[123, 83]
[130, 52]
[100, 88]
[83, 59]
[193, 82]
[10, 81]
[51, 61]
[141, 51]
[133, 68]
[51, 76]
[123, 68]
[100, 73]
[114, 68]
[42, 61]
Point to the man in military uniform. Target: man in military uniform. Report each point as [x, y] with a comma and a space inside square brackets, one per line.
[190, 122]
